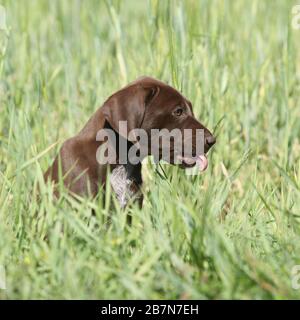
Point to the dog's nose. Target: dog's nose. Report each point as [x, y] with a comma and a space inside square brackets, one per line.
[210, 141]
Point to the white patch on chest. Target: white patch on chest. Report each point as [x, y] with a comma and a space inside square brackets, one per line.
[125, 189]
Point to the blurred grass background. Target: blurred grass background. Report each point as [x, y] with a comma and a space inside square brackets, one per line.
[232, 232]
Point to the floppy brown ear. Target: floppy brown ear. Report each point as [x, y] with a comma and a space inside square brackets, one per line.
[129, 104]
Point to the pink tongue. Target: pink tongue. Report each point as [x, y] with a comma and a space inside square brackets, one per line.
[201, 162]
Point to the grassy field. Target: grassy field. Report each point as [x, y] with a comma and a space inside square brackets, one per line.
[232, 232]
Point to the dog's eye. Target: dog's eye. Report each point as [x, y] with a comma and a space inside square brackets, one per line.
[178, 111]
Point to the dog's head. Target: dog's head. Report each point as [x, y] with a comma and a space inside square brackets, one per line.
[163, 114]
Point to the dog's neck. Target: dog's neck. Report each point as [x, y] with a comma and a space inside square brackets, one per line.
[125, 179]
[133, 171]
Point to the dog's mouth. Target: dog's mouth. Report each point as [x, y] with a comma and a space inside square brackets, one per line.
[188, 162]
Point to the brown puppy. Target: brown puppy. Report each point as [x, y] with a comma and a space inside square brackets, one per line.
[146, 104]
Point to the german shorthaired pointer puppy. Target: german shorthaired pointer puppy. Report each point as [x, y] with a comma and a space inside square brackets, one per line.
[144, 104]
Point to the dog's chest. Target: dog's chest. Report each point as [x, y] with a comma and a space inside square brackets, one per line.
[125, 188]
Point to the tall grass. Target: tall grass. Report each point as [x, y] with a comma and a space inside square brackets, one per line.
[232, 232]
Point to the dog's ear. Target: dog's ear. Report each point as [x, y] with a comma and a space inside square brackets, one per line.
[129, 104]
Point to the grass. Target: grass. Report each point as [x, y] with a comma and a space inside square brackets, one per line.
[233, 232]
